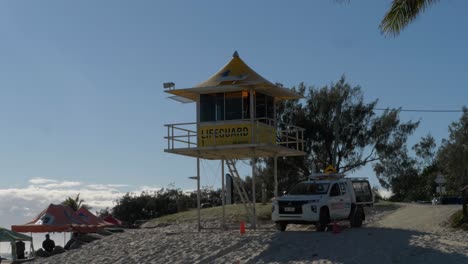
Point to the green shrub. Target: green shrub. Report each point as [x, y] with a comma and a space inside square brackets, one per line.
[457, 221]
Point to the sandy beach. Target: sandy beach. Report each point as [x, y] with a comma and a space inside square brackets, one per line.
[411, 234]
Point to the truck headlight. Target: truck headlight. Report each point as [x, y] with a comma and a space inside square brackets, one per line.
[273, 205]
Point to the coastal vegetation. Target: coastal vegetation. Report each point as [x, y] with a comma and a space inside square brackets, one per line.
[347, 132]
[400, 14]
[458, 221]
[148, 205]
[76, 203]
[234, 213]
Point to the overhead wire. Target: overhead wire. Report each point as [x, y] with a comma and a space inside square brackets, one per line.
[421, 110]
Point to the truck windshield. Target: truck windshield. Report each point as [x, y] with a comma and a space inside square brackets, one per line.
[309, 188]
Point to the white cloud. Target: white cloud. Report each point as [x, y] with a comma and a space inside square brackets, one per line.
[148, 189]
[118, 185]
[110, 187]
[20, 205]
[37, 180]
[187, 192]
[64, 184]
[51, 184]
[385, 193]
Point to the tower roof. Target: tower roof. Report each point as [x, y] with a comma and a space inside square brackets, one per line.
[235, 72]
[234, 76]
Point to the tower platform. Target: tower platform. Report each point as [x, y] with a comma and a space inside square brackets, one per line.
[183, 139]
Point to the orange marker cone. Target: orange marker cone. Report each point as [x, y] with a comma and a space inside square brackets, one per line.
[335, 228]
[242, 227]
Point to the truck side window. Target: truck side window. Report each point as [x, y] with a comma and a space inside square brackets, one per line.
[335, 190]
[363, 191]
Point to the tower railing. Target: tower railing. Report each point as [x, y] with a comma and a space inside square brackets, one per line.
[184, 135]
[181, 135]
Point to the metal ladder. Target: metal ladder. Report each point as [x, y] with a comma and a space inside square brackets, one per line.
[248, 205]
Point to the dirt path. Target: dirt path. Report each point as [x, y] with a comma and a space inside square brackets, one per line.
[413, 233]
[419, 217]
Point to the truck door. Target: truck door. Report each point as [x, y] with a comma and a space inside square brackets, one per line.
[339, 202]
[346, 199]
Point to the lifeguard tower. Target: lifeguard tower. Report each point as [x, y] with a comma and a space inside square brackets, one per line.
[235, 119]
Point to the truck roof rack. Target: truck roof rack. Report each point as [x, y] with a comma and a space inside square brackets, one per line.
[358, 178]
[326, 176]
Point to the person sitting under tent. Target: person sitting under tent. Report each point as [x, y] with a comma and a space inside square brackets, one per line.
[48, 244]
[74, 242]
[20, 247]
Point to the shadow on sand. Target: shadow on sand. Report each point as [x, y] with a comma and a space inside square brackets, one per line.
[363, 245]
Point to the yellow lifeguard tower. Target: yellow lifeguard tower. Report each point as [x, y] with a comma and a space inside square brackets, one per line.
[236, 119]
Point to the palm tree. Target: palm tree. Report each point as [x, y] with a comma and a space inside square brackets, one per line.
[76, 203]
[401, 14]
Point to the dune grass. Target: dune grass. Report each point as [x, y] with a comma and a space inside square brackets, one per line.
[383, 204]
[233, 213]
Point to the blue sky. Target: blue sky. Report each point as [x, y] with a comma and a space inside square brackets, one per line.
[81, 96]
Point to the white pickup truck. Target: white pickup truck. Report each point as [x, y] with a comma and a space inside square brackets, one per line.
[322, 199]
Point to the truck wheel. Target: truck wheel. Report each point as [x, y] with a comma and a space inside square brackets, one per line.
[357, 217]
[281, 226]
[324, 219]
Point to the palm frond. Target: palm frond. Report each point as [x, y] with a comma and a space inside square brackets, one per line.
[402, 13]
[76, 203]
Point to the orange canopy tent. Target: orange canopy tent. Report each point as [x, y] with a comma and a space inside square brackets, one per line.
[56, 218]
[115, 221]
[90, 219]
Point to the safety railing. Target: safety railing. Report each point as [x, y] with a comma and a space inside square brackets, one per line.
[181, 135]
[184, 135]
[292, 137]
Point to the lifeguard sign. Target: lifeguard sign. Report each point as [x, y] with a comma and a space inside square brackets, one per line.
[236, 119]
[232, 134]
